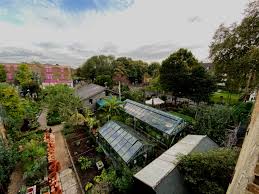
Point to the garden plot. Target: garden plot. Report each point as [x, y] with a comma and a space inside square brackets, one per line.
[83, 151]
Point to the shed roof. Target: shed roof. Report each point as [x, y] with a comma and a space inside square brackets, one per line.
[163, 121]
[158, 169]
[88, 91]
[121, 140]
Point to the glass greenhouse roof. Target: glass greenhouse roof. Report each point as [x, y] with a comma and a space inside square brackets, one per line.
[163, 121]
[119, 138]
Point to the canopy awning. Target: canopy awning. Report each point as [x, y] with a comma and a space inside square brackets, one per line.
[156, 101]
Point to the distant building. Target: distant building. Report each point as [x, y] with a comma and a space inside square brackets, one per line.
[48, 74]
[162, 176]
[90, 94]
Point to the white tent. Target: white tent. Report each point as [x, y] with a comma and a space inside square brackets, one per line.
[156, 101]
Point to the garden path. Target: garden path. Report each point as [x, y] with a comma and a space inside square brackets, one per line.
[16, 180]
[67, 176]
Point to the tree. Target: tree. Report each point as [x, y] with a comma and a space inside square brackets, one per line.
[8, 158]
[153, 69]
[201, 85]
[23, 75]
[175, 70]
[208, 172]
[96, 66]
[214, 121]
[233, 50]
[62, 98]
[112, 107]
[12, 105]
[2, 73]
[104, 80]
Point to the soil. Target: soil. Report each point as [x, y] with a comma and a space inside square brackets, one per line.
[86, 148]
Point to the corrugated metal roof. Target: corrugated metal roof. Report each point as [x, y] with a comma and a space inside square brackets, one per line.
[163, 121]
[89, 90]
[153, 173]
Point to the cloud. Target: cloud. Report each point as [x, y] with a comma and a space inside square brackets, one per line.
[144, 29]
[194, 19]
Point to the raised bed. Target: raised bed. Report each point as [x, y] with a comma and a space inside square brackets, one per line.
[82, 144]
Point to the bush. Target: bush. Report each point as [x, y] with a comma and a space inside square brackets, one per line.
[85, 163]
[88, 186]
[8, 158]
[68, 129]
[208, 172]
[53, 118]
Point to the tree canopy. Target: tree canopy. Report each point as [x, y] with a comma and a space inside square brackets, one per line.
[234, 50]
[2, 73]
[183, 75]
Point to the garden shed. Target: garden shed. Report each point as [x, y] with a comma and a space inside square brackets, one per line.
[90, 94]
[120, 140]
[164, 126]
[162, 176]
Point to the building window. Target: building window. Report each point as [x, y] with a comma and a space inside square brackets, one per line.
[90, 101]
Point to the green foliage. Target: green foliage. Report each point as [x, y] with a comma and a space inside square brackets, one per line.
[85, 163]
[208, 172]
[23, 75]
[8, 157]
[61, 98]
[97, 66]
[99, 149]
[112, 107]
[12, 106]
[153, 69]
[53, 118]
[34, 160]
[104, 80]
[68, 129]
[120, 180]
[214, 122]
[88, 186]
[135, 95]
[2, 73]
[234, 51]
[182, 70]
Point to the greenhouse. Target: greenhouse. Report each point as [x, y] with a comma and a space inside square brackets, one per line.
[164, 125]
[121, 140]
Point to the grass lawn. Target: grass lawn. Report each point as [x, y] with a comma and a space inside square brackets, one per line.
[184, 117]
[227, 97]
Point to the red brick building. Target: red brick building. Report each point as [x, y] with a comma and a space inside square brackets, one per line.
[49, 74]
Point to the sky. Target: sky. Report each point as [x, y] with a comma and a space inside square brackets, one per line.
[71, 31]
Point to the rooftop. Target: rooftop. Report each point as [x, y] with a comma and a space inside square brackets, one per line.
[163, 121]
[158, 169]
[120, 138]
[89, 90]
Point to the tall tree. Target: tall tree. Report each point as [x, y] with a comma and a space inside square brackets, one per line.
[2, 73]
[234, 49]
[96, 66]
[23, 75]
[175, 70]
[153, 69]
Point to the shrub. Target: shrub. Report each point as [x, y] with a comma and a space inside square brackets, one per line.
[85, 163]
[99, 149]
[53, 118]
[208, 172]
[8, 158]
[88, 186]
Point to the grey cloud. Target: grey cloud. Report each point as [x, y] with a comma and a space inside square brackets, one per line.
[156, 51]
[17, 52]
[109, 48]
[48, 45]
[194, 19]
